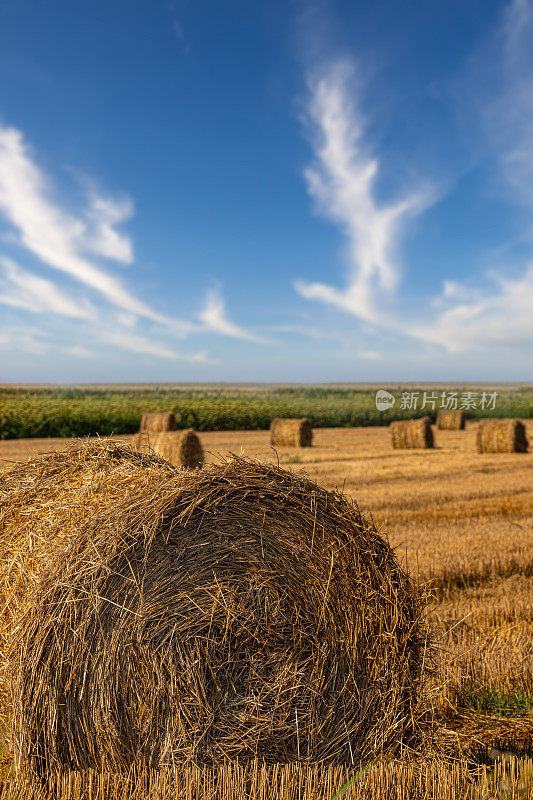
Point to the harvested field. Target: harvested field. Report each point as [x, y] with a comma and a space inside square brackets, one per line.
[457, 513]
[465, 521]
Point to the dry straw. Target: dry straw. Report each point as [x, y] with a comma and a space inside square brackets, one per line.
[239, 611]
[158, 422]
[451, 420]
[412, 433]
[501, 436]
[181, 448]
[291, 433]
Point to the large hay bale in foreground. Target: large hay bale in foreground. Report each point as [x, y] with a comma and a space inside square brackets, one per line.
[411, 433]
[291, 433]
[181, 448]
[501, 436]
[451, 420]
[158, 422]
[240, 611]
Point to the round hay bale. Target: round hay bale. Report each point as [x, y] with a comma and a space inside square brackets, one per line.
[412, 433]
[181, 448]
[291, 433]
[451, 420]
[501, 436]
[158, 422]
[235, 612]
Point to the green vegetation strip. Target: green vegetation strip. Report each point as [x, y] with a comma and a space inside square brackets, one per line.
[26, 413]
[489, 700]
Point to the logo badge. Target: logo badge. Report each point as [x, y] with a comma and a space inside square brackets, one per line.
[384, 400]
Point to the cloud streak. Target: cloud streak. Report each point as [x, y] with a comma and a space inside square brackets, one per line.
[342, 181]
[129, 340]
[59, 239]
[214, 318]
[102, 237]
[22, 289]
[482, 319]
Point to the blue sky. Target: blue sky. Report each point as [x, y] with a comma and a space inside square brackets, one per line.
[278, 191]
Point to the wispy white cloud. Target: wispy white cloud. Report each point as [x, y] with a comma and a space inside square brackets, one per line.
[309, 332]
[22, 289]
[214, 318]
[101, 236]
[342, 180]
[79, 351]
[370, 355]
[129, 340]
[25, 339]
[94, 341]
[481, 319]
[58, 238]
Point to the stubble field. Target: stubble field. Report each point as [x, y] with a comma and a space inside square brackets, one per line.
[463, 522]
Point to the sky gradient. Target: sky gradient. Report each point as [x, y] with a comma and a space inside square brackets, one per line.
[278, 191]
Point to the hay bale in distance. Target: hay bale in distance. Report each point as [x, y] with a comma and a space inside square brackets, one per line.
[158, 422]
[232, 612]
[451, 420]
[181, 448]
[291, 433]
[412, 433]
[501, 436]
